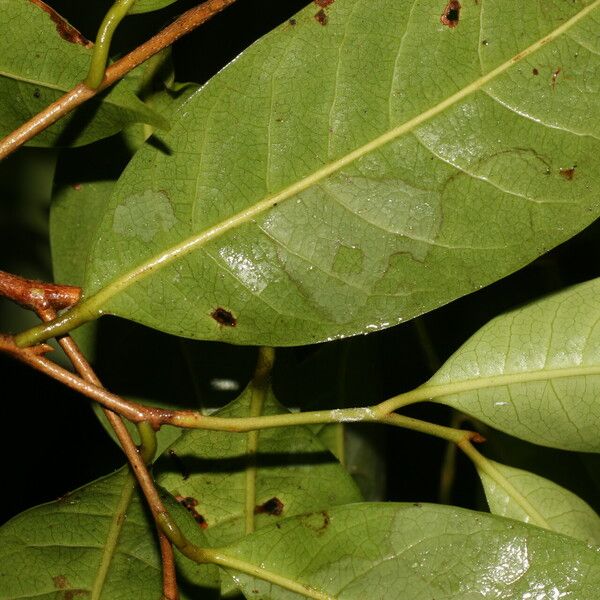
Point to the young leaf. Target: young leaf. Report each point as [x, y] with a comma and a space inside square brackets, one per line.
[563, 511]
[360, 165]
[534, 372]
[47, 58]
[413, 551]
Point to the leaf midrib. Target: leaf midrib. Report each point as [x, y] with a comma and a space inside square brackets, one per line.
[113, 535]
[91, 308]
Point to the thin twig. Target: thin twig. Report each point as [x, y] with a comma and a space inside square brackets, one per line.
[137, 459]
[130, 410]
[44, 299]
[186, 23]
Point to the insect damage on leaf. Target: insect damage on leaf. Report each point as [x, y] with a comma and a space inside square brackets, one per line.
[321, 17]
[569, 173]
[190, 504]
[451, 14]
[273, 506]
[223, 317]
[65, 29]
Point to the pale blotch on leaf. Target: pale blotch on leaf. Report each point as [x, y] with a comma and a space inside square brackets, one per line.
[144, 215]
[348, 260]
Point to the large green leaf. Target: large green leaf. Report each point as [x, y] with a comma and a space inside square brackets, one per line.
[292, 466]
[41, 58]
[419, 552]
[534, 372]
[358, 166]
[561, 509]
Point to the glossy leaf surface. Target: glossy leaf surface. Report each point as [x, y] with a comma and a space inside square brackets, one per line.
[534, 372]
[419, 552]
[360, 165]
[564, 511]
[48, 58]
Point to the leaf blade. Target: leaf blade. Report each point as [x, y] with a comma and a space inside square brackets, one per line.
[564, 511]
[543, 369]
[411, 551]
[265, 230]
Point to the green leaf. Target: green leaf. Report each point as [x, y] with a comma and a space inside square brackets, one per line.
[96, 542]
[47, 58]
[414, 551]
[533, 372]
[562, 510]
[143, 6]
[292, 472]
[291, 466]
[360, 165]
[82, 544]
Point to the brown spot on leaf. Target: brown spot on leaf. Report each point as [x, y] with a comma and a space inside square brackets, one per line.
[451, 14]
[568, 173]
[72, 594]
[321, 17]
[190, 504]
[223, 317]
[76, 186]
[325, 516]
[535, 71]
[292, 22]
[318, 529]
[273, 506]
[37, 93]
[60, 582]
[324, 3]
[65, 29]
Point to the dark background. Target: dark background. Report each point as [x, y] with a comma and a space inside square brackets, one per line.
[52, 442]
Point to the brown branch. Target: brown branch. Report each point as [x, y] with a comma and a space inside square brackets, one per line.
[186, 23]
[83, 367]
[170, 591]
[37, 295]
[33, 357]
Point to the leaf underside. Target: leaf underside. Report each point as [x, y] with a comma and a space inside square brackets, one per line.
[419, 552]
[563, 510]
[350, 172]
[556, 341]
